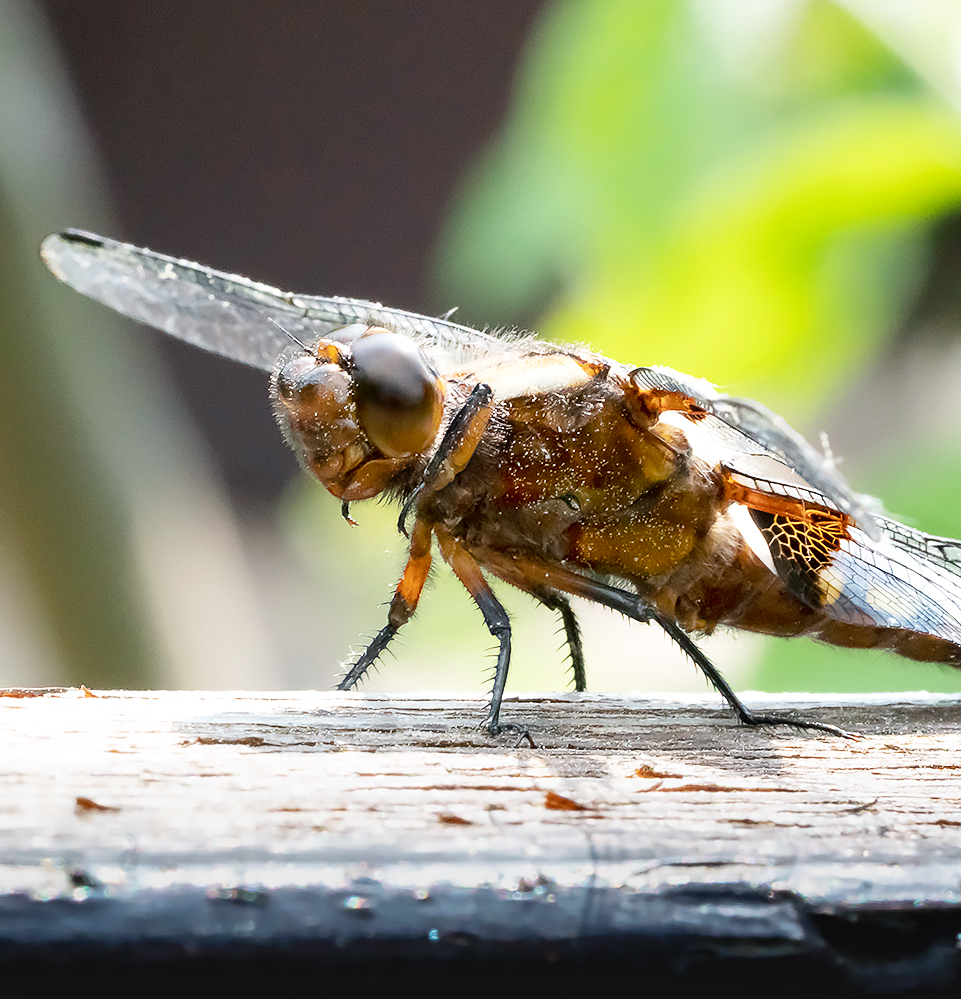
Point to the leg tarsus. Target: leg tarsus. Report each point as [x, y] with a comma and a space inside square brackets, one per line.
[368, 657]
[402, 605]
[744, 714]
[500, 627]
[572, 632]
[522, 732]
[753, 720]
[467, 570]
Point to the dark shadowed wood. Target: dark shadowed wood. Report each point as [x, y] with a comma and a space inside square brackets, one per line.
[211, 819]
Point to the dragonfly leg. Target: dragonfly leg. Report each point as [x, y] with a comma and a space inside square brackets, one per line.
[402, 606]
[367, 658]
[572, 632]
[534, 576]
[455, 449]
[466, 569]
[744, 714]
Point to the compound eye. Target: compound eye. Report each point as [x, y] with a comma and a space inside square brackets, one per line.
[399, 398]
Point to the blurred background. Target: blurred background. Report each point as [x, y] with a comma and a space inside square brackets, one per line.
[765, 193]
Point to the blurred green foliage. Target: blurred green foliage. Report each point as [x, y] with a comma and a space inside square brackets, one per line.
[741, 191]
[65, 527]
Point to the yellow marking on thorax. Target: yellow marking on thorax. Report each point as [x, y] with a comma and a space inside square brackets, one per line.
[648, 546]
[605, 463]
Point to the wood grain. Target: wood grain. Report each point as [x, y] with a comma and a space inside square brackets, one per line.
[130, 817]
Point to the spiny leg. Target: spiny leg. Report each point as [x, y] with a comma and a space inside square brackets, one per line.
[530, 573]
[402, 606]
[368, 657]
[467, 570]
[744, 714]
[572, 632]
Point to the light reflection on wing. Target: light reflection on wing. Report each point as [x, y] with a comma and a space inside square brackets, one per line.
[895, 585]
[230, 315]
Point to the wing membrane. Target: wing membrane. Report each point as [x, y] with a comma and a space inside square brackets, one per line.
[895, 584]
[228, 314]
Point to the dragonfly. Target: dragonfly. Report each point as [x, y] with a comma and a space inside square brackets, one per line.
[558, 471]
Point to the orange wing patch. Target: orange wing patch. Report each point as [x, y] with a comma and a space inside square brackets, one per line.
[803, 550]
[803, 539]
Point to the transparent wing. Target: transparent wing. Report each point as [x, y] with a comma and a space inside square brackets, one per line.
[230, 315]
[833, 553]
[902, 582]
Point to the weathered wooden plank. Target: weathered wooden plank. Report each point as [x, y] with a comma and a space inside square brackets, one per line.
[132, 817]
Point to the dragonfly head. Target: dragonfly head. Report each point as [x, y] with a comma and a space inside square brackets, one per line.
[356, 413]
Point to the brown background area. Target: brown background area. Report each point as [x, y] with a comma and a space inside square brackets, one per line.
[306, 144]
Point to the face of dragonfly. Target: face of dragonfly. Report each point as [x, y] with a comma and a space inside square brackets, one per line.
[357, 409]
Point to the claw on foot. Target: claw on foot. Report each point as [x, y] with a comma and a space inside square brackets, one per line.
[756, 720]
[522, 732]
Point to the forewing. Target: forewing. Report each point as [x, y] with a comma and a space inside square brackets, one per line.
[231, 315]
